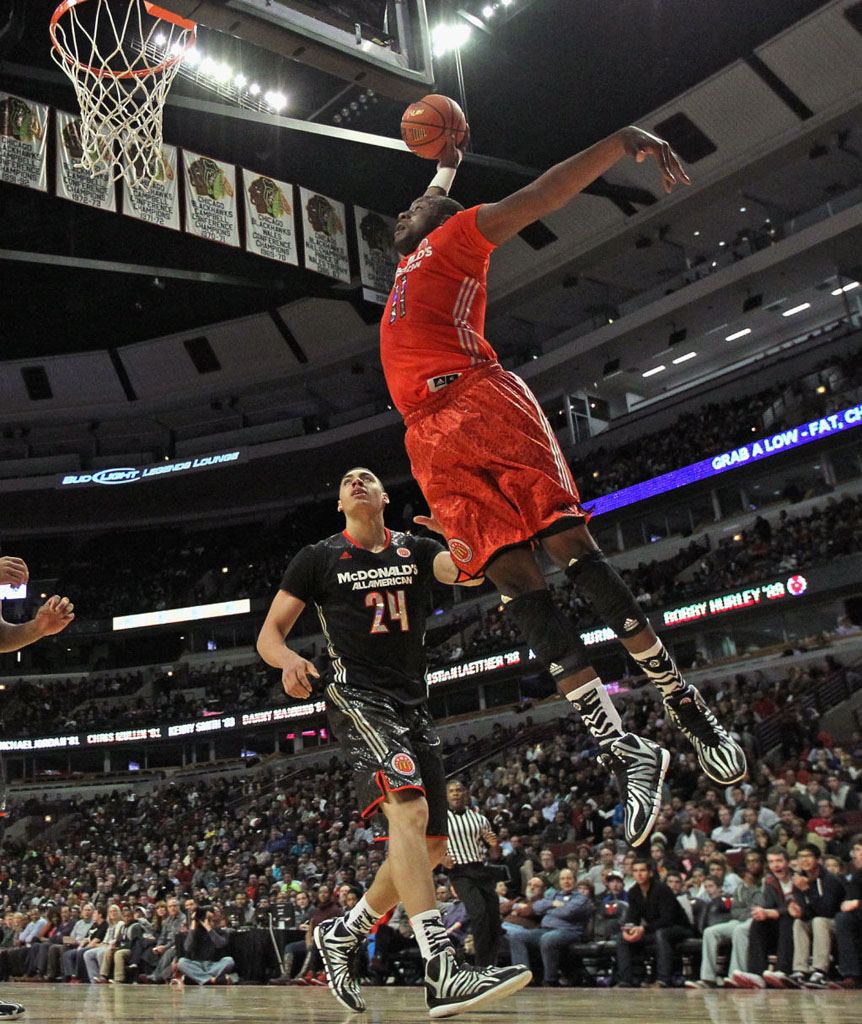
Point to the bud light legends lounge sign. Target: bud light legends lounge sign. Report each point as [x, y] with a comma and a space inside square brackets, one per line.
[130, 474]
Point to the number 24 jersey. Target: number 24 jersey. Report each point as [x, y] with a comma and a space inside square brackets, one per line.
[372, 608]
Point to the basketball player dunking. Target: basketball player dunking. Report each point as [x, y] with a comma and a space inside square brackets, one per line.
[53, 616]
[370, 588]
[493, 474]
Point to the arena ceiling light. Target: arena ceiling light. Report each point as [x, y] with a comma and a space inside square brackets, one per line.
[654, 371]
[738, 334]
[797, 309]
[217, 75]
[684, 359]
[846, 288]
[276, 100]
[448, 37]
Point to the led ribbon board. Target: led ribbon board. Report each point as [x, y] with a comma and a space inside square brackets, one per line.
[210, 724]
[190, 614]
[783, 441]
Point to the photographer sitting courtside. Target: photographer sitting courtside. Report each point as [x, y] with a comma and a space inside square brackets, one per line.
[202, 946]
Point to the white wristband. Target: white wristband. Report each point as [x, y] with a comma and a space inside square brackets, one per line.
[443, 178]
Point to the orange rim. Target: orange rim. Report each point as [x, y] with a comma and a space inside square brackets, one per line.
[155, 11]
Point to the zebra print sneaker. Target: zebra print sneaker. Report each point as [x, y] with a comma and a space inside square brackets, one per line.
[720, 756]
[640, 767]
[452, 988]
[11, 1011]
[338, 946]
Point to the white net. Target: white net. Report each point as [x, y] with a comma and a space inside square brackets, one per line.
[121, 56]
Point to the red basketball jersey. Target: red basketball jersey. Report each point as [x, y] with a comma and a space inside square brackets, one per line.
[435, 316]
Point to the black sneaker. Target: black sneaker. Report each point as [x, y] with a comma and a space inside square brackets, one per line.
[11, 1011]
[720, 756]
[452, 988]
[640, 767]
[338, 947]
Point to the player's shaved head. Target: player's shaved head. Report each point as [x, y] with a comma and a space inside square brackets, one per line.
[444, 207]
[425, 214]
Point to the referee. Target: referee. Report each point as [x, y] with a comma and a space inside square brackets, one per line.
[469, 834]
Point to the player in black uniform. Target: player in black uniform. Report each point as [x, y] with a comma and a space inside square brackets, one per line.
[54, 615]
[370, 588]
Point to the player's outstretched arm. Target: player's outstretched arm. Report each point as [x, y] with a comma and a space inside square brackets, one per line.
[280, 620]
[53, 617]
[559, 185]
[447, 165]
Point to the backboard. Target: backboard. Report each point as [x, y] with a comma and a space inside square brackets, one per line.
[379, 44]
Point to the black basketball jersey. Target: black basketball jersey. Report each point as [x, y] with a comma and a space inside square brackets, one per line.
[372, 608]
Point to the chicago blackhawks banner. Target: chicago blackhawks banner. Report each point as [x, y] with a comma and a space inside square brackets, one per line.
[269, 221]
[210, 199]
[324, 235]
[23, 142]
[160, 204]
[377, 256]
[74, 182]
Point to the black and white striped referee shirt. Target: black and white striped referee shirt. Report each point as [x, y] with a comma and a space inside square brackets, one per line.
[466, 845]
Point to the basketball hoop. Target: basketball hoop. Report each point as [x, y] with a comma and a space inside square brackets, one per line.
[121, 63]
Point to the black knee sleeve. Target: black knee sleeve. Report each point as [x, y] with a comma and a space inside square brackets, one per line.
[550, 633]
[604, 588]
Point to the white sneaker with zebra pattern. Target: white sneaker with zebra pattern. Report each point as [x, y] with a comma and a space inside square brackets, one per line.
[338, 948]
[452, 988]
[640, 767]
[720, 756]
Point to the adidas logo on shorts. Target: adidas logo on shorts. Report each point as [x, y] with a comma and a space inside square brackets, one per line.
[555, 669]
[630, 624]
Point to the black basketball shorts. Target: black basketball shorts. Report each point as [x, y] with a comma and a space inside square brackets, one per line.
[392, 746]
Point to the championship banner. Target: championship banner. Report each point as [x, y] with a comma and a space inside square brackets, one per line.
[377, 256]
[160, 204]
[325, 237]
[74, 182]
[210, 199]
[269, 223]
[23, 142]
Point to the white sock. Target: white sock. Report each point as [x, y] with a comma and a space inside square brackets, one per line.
[594, 705]
[362, 918]
[430, 933]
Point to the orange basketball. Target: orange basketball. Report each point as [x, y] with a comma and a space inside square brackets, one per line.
[424, 125]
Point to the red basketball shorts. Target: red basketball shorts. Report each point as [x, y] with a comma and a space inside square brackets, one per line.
[489, 465]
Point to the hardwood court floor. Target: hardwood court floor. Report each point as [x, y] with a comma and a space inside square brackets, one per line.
[143, 1004]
